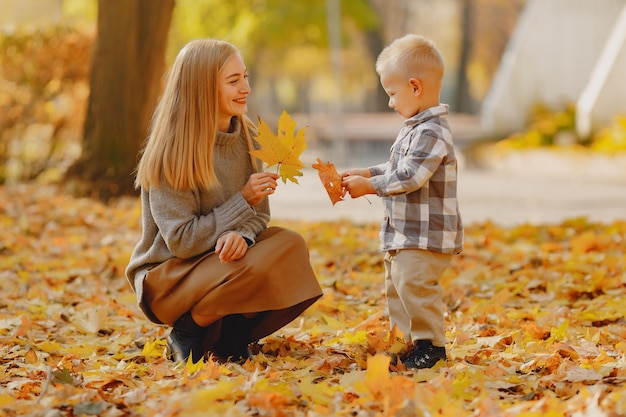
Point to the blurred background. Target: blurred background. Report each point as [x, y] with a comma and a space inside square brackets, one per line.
[80, 78]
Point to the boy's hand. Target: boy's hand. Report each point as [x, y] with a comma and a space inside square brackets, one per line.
[362, 172]
[357, 185]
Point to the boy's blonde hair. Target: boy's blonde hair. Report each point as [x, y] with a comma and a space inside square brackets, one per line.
[180, 145]
[413, 55]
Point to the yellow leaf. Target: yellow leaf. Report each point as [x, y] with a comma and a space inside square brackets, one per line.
[462, 386]
[205, 399]
[318, 393]
[332, 322]
[192, 367]
[31, 357]
[283, 149]
[5, 399]
[49, 346]
[154, 348]
[560, 333]
[377, 377]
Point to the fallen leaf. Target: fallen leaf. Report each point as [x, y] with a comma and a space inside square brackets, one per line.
[533, 327]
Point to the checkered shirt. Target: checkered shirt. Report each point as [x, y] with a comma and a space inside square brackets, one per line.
[418, 186]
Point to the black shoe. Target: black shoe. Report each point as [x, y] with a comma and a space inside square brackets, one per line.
[186, 339]
[239, 354]
[179, 347]
[233, 344]
[424, 355]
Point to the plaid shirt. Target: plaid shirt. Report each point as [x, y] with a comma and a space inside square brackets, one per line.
[418, 187]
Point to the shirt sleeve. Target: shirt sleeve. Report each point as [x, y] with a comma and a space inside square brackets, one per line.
[416, 160]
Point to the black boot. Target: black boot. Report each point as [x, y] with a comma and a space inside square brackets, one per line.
[185, 339]
[233, 344]
[424, 355]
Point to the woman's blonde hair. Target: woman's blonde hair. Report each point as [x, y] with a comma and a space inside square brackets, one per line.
[179, 149]
[412, 55]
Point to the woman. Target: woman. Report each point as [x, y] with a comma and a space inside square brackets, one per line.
[207, 264]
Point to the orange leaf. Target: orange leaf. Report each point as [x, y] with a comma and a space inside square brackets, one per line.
[31, 357]
[24, 328]
[330, 179]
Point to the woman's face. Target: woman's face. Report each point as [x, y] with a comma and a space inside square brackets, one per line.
[232, 93]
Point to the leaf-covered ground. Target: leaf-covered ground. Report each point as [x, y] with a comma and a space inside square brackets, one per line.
[535, 326]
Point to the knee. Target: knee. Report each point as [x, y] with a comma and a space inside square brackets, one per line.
[293, 238]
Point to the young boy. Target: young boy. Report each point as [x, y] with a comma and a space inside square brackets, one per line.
[422, 227]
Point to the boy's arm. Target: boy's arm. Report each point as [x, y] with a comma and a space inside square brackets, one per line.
[363, 172]
[414, 167]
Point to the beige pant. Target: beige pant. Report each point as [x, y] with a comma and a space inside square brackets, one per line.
[414, 295]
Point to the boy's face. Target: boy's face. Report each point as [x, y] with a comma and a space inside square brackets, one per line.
[404, 93]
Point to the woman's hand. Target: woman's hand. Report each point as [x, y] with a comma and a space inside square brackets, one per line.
[230, 247]
[259, 186]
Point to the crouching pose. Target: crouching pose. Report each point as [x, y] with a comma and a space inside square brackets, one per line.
[207, 264]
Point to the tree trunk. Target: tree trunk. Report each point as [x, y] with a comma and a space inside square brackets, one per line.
[396, 20]
[377, 101]
[463, 101]
[127, 66]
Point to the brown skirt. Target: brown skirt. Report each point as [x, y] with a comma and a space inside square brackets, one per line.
[274, 278]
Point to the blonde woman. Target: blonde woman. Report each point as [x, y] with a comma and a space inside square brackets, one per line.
[207, 264]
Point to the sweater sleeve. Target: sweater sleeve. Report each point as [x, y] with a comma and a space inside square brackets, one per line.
[188, 233]
[251, 227]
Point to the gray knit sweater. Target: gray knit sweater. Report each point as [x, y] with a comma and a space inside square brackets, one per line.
[184, 224]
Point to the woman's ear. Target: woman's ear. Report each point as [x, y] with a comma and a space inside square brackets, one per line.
[416, 84]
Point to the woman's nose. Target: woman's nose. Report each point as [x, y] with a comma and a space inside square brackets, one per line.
[246, 87]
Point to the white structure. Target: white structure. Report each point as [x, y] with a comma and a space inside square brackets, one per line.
[605, 94]
[562, 51]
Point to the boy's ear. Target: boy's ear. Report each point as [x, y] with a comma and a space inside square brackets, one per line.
[416, 84]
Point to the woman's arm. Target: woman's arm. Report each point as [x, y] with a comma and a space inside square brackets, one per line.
[188, 233]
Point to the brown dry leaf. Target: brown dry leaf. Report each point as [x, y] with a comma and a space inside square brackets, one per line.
[330, 179]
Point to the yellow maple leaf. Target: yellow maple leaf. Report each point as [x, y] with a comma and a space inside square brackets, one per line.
[153, 348]
[377, 378]
[283, 149]
[193, 367]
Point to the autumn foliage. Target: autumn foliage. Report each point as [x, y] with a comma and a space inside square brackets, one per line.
[331, 180]
[283, 149]
[535, 320]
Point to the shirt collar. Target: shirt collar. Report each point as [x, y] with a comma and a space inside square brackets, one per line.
[429, 113]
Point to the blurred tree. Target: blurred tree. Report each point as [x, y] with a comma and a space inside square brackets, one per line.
[285, 44]
[462, 100]
[127, 66]
[486, 33]
[396, 19]
[472, 35]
